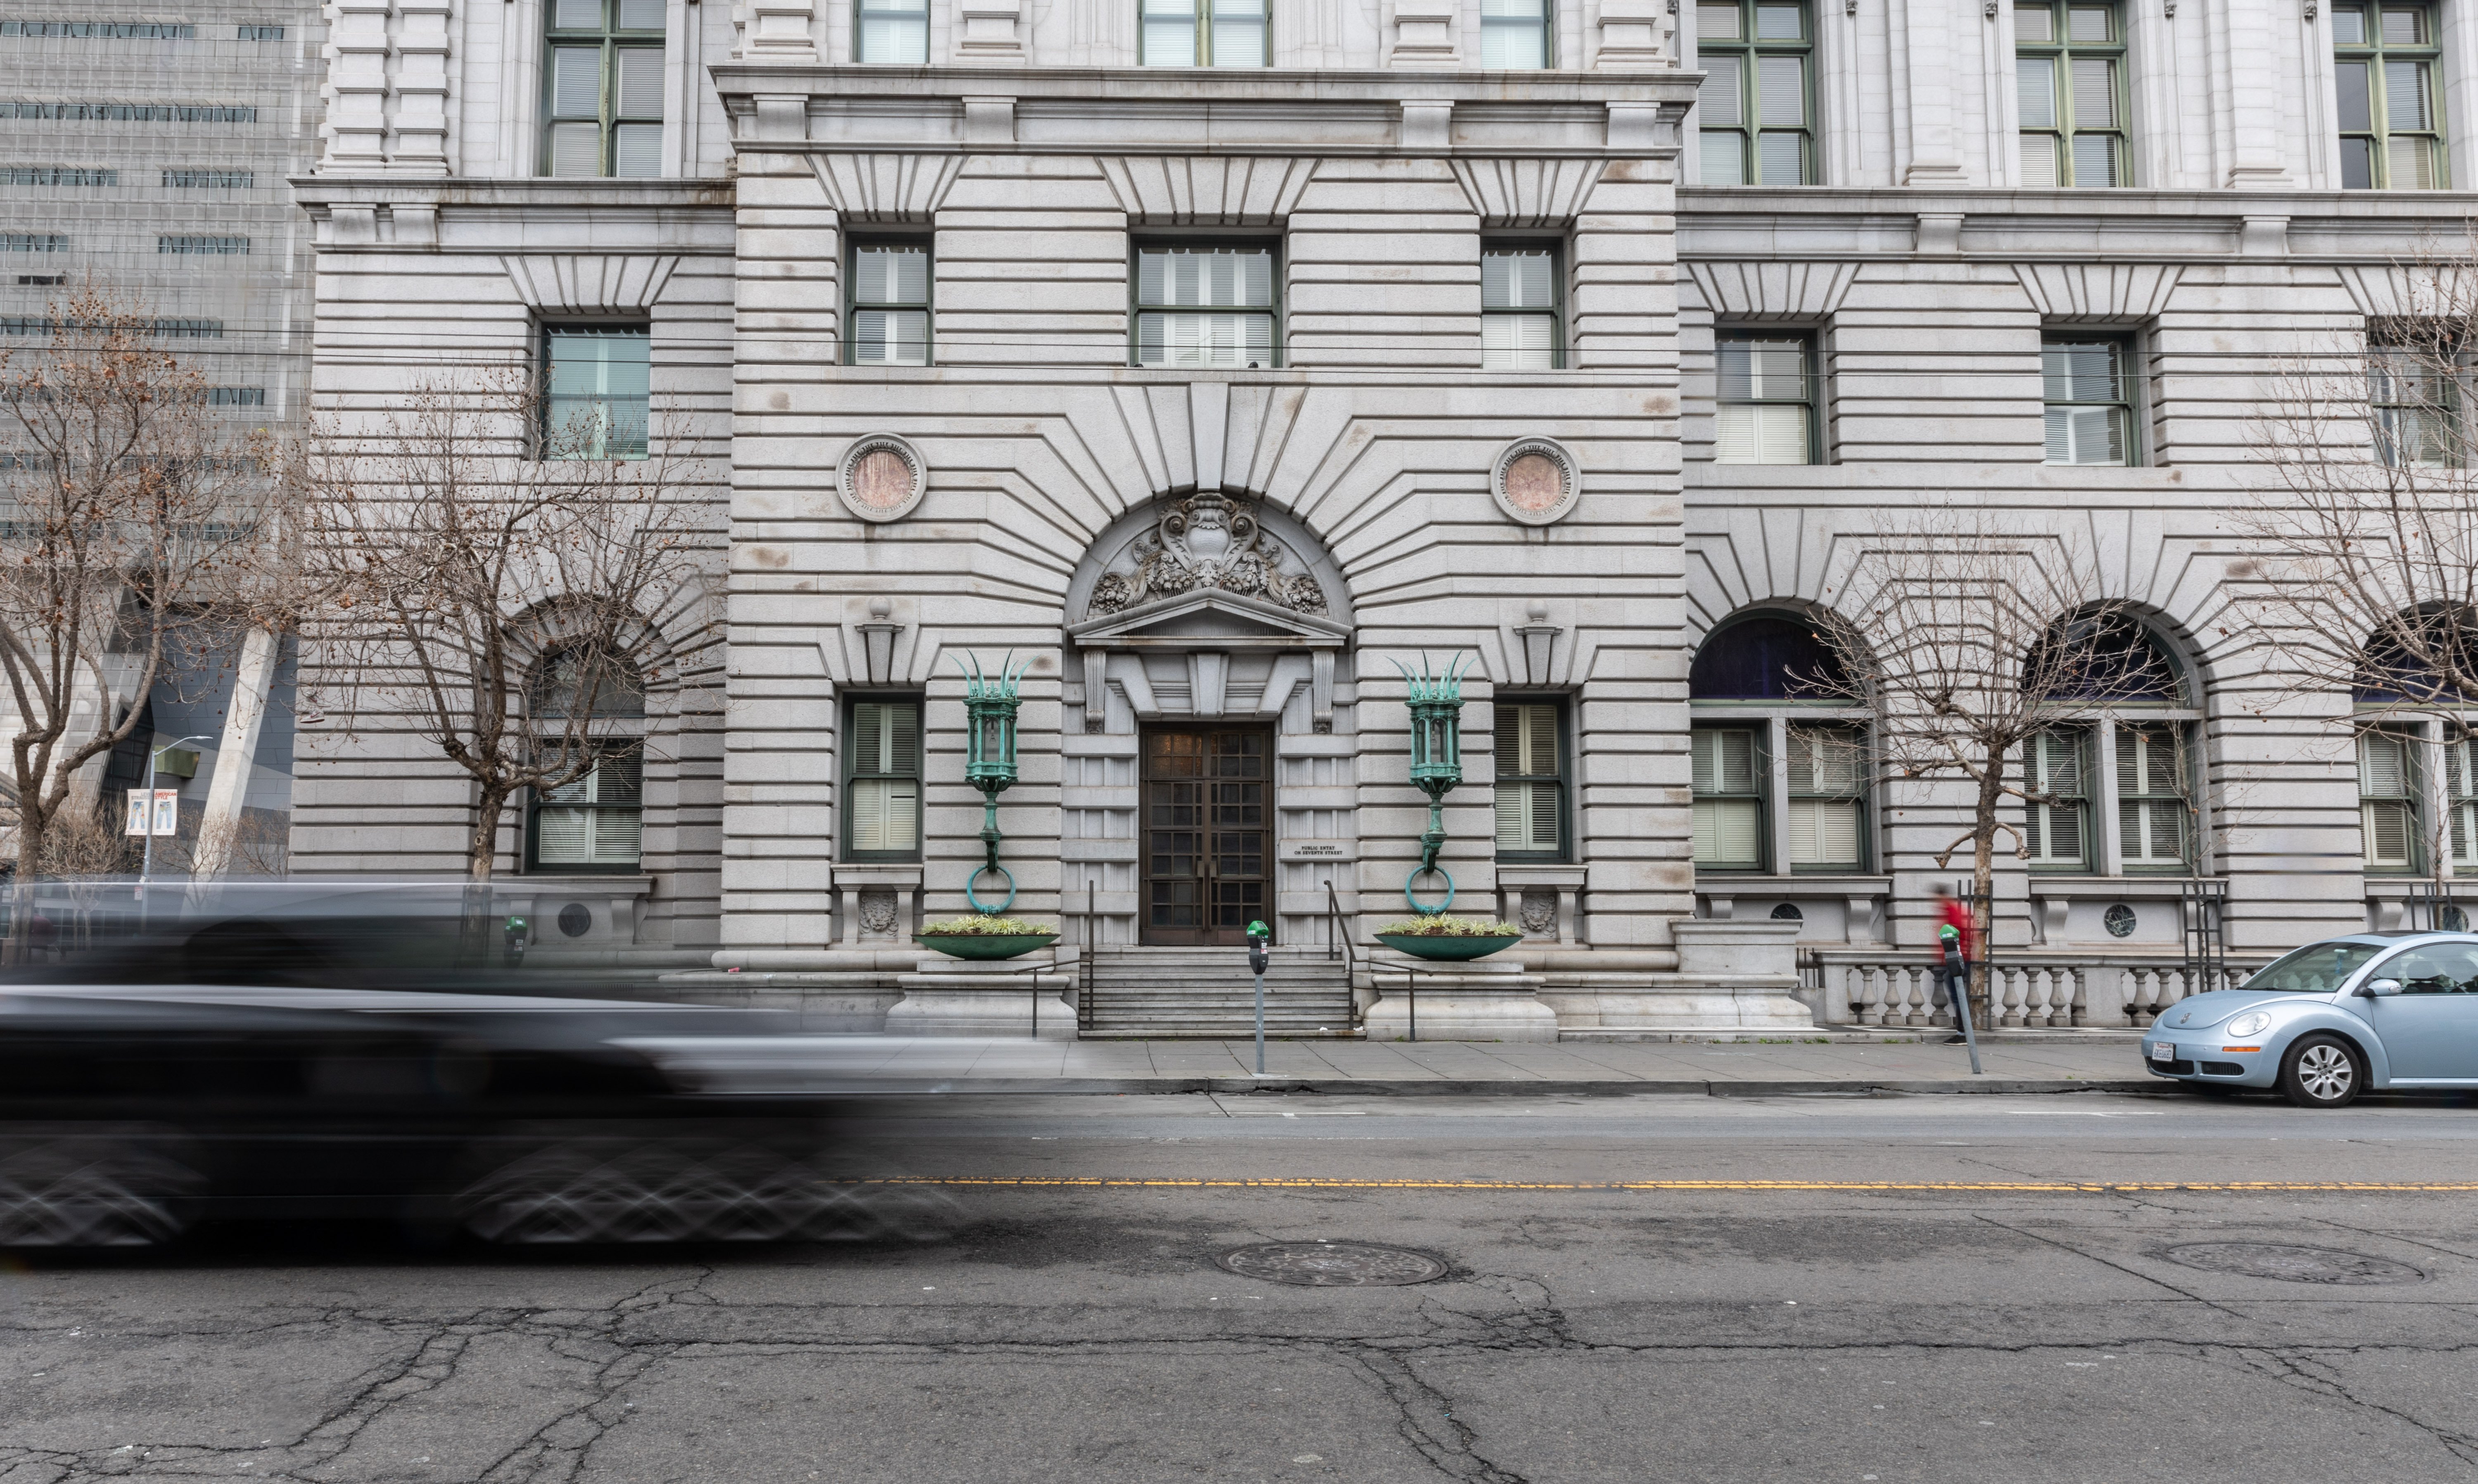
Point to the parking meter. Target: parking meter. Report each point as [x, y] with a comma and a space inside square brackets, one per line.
[1256, 960]
[515, 931]
[1957, 981]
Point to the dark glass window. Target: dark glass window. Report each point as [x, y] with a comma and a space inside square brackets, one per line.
[1767, 657]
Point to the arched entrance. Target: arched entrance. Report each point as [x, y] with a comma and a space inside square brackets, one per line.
[1207, 630]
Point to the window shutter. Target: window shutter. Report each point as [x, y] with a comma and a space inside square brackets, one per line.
[1719, 94]
[2382, 767]
[2386, 827]
[1735, 434]
[1737, 761]
[634, 14]
[1703, 745]
[1513, 825]
[2035, 87]
[636, 151]
[869, 739]
[1540, 741]
[561, 836]
[903, 739]
[2128, 830]
[2094, 96]
[1509, 740]
[1545, 831]
[1780, 436]
[577, 81]
[618, 836]
[1805, 820]
[902, 819]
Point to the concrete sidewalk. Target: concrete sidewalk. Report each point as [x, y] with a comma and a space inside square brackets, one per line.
[1741, 1069]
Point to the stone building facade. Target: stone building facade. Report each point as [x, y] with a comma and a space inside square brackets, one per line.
[1215, 357]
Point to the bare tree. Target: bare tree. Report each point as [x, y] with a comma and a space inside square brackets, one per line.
[2365, 547]
[1973, 639]
[503, 576]
[131, 512]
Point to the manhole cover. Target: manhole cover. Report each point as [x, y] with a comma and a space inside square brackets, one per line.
[2293, 1265]
[1331, 1264]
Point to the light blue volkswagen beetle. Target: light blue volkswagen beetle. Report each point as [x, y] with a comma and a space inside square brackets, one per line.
[2383, 1010]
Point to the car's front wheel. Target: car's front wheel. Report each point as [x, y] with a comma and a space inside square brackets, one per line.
[2322, 1071]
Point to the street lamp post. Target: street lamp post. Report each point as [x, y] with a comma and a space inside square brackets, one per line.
[147, 859]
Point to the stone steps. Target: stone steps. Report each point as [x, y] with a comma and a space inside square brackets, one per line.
[1207, 993]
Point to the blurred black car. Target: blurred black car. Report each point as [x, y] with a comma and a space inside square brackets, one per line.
[130, 1113]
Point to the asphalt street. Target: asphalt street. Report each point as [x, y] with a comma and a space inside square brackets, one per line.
[2076, 1287]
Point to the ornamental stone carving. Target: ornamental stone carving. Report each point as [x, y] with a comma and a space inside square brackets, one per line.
[877, 912]
[1208, 541]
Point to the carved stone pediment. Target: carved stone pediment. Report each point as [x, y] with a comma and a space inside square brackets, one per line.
[1210, 619]
[1206, 543]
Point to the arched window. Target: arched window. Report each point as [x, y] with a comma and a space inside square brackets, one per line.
[1767, 657]
[1779, 788]
[2105, 658]
[2414, 664]
[587, 708]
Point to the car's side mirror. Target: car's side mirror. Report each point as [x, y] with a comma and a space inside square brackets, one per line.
[2373, 988]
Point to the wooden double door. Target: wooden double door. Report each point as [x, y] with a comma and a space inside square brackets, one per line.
[1207, 834]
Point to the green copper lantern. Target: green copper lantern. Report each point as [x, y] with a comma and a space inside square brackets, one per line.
[1436, 702]
[990, 703]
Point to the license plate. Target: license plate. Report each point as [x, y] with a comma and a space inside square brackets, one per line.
[2163, 1052]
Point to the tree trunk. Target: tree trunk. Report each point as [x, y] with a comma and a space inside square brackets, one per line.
[1982, 890]
[18, 948]
[477, 939]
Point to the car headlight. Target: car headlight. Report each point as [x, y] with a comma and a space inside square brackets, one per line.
[2252, 1023]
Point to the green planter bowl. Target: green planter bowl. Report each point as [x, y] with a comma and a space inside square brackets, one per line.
[985, 945]
[1460, 950]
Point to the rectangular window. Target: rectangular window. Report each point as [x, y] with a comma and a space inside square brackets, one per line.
[882, 772]
[259, 33]
[1205, 33]
[2151, 805]
[2055, 829]
[1531, 781]
[891, 32]
[1827, 803]
[2414, 393]
[132, 113]
[1206, 306]
[2069, 71]
[2387, 801]
[596, 383]
[605, 89]
[1514, 33]
[212, 180]
[1757, 116]
[1729, 798]
[890, 304]
[1764, 409]
[222, 246]
[236, 397]
[1518, 306]
[2385, 70]
[2089, 401]
[102, 30]
[596, 822]
[41, 242]
[58, 175]
[2460, 797]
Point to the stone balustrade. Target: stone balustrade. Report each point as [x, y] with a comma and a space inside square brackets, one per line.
[2047, 992]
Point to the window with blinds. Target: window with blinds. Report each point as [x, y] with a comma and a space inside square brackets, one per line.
[1205, 306]
[594, 823]
[2460, 797]
[1514, 33]
[2089, 401]
[2054, 828]
[2152, 809]
[2384, 72]
[2387, 801]
[1764, 400]
[890, 304]
[2415, 394]
[1827, 803]
[1205, 34]
[597, 391]
[1518, 307]
[1754, 113]
[1531, 781]
[2069, 86]
[882, 776]
[894, 33]
[1729, 798]
[605, 86]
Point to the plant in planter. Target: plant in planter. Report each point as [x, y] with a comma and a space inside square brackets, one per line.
[1450, 940]
[984, 936]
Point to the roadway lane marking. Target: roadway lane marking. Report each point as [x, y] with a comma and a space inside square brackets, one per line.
[1856, 1187]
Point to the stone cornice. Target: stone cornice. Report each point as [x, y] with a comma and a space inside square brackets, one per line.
[1271, 86]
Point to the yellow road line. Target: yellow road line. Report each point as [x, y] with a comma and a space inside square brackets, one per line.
[1855, 1187]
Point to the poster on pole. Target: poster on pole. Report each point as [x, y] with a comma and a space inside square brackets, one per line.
[166, 815]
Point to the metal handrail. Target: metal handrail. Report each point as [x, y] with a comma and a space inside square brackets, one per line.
[1410, 973]
[1337, 936]
[1036, 970]
[1088, 971]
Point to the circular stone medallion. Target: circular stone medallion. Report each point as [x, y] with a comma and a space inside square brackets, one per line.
[1331, 1264]
[1536, 482]
[2293, 1263]
[882, 478]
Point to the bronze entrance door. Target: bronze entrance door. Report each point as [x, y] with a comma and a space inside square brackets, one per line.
[1207, 834]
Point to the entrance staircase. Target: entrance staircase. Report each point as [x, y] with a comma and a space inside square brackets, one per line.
[1207, 993]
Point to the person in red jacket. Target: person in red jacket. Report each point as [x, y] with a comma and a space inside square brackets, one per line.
[1951, 913]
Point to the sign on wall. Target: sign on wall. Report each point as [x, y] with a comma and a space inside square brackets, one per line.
[166, 812]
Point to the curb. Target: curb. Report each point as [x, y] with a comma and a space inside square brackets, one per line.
[1443, 1087]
